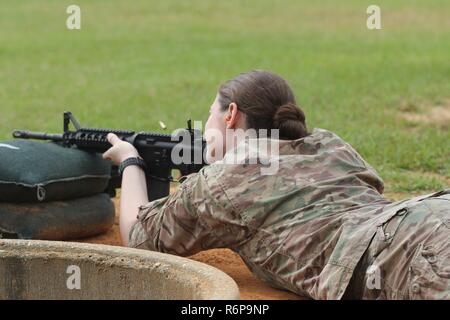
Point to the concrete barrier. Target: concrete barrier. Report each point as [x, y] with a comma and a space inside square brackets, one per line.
[34, 269]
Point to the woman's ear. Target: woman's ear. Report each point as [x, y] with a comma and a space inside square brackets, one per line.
[232, 116]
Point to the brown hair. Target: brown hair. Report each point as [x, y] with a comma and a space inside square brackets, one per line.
[267, 101]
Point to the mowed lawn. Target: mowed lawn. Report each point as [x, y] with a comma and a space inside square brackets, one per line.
[134, 63]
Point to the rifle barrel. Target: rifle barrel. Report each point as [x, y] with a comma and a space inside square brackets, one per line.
[25, 134]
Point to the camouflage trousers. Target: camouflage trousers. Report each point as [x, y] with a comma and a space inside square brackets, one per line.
[409, 256]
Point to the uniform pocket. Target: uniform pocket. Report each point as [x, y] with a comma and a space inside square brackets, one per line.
[387, 229]
[429, 273]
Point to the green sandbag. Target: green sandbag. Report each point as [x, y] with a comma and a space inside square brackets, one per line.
[33, 171]
[59, 220]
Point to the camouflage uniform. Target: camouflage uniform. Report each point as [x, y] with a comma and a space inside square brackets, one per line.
[314, 228]
[409, 257]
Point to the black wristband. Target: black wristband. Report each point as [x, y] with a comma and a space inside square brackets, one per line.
[134, 161]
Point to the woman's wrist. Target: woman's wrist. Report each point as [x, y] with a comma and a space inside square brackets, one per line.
[129, 155]
[132, 161]
[130, 168]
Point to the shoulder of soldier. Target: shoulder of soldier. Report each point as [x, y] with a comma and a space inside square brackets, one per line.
[228, 175]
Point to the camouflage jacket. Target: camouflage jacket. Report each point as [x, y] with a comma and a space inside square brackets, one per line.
[303, 229]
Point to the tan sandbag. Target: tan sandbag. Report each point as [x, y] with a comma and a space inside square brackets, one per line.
[58, 220]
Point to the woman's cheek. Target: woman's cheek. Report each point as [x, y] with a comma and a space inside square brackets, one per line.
[210, 154]
[214, 144]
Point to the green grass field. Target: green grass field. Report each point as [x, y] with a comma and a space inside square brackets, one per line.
[134, 63]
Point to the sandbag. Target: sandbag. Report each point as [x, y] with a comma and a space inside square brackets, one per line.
[59, 220]
[46, 171]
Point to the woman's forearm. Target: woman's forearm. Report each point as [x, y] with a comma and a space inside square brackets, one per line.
[133, 194]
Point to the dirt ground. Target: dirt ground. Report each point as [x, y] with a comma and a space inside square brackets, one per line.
[226, 260]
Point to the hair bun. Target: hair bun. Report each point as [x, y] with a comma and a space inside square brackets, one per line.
[290, 120]
[287, 112]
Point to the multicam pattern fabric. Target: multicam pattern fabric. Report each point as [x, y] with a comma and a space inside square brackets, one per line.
[410, 254]
[304, 229]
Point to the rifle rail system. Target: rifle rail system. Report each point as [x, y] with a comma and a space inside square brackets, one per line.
[155, 148]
